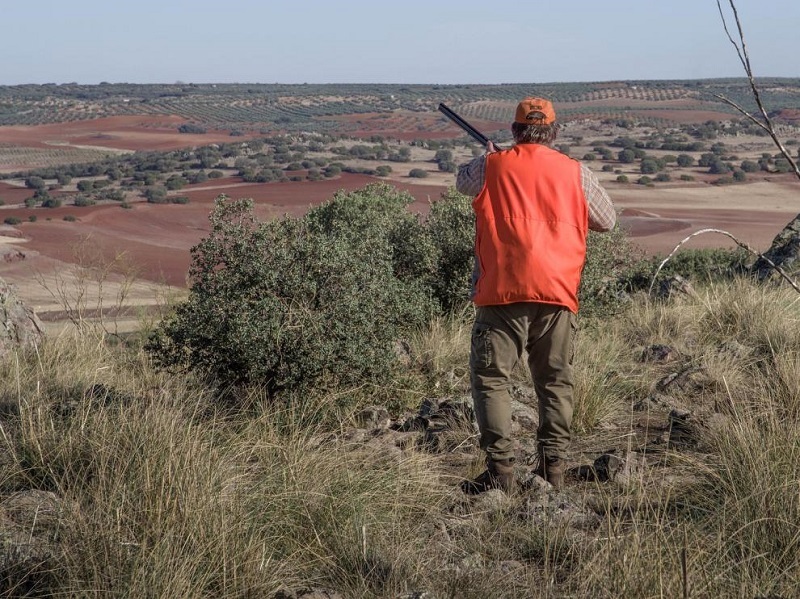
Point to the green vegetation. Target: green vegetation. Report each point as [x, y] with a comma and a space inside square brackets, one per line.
[141, 483]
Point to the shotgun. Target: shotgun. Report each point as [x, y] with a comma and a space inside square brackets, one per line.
[469, 129]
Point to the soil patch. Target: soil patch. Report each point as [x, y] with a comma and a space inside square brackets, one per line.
[130, 132]
[156, 238]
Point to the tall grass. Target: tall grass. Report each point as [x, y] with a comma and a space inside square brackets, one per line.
[162, 491]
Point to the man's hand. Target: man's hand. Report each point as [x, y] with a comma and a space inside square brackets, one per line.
[491, 148]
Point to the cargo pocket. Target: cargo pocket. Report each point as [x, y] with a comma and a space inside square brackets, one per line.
[573, 337]
[482, 353]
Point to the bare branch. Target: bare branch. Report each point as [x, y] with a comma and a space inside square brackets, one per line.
[744, 57]
[730, 102]
[741, 244]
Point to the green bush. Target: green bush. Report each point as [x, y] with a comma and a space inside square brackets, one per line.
[300, 303]
[82, 201]
[12, 220]
[320, 301]
[418, 173]
[451, 227]
[610, 258]
[51, 203]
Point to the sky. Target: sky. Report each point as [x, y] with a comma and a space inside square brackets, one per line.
[399, 41]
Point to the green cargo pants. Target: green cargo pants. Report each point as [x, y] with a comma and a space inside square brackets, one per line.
[500, 335]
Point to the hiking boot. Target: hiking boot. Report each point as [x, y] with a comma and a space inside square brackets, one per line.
[552, 470]
[499, 474]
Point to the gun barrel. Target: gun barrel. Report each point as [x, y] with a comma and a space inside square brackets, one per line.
[469, 129]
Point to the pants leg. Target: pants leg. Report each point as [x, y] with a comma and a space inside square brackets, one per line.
[550, 349]
[498, 339]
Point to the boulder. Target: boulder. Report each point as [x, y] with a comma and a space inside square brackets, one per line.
[784, 252]
[21, 328]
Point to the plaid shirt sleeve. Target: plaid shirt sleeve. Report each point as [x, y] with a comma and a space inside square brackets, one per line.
[471, 176]
[602, 216]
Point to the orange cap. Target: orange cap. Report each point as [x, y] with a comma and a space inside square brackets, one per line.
[535, 111]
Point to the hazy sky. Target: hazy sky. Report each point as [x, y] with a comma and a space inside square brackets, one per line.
[401, 41]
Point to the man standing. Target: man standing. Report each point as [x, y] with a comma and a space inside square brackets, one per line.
[533, 208]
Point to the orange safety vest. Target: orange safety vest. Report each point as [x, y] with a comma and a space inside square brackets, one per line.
[531, 225]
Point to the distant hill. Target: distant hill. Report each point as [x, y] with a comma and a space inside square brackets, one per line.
[339, 108]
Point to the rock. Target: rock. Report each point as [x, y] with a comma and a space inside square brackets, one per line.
[535, 484]
[21, 328]
[557, 510]
[683, 429]
[676, 285]
[690, 381]
[611, 467]
[373, 417]
[492, 502]
[784, 252]
[524, 418]
[606, 467]
[659, 353]
[38, 512]
[652, 403]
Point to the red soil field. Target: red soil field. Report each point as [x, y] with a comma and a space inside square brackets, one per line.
[11, 194]
[157, 238]
[118, 132]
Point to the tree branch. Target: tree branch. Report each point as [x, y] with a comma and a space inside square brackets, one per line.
[744, 58]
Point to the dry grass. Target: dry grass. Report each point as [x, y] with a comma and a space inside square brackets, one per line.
[164, 492]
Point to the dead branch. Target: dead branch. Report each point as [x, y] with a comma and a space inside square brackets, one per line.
[744, 58]
[741, 244]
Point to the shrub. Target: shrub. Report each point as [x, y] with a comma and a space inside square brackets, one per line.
[622, 179]
[451, 227]
[32, 218]
[215, 174]
[51, 203]
[687, 178]
[82, 201]
[644, 180]
[301, 303]
[663, 177]
[179, 200]
[12, 220]
[418, 173]
[69, 218]
[35, 183]
[608, 168]
[610, 258]
[748, 166]
[191, 128]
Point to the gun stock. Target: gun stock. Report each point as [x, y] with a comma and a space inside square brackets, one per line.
[469, 129]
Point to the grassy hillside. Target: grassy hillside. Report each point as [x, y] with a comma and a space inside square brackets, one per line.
[120, 480]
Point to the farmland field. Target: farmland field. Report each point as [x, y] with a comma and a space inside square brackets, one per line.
[290, 147]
